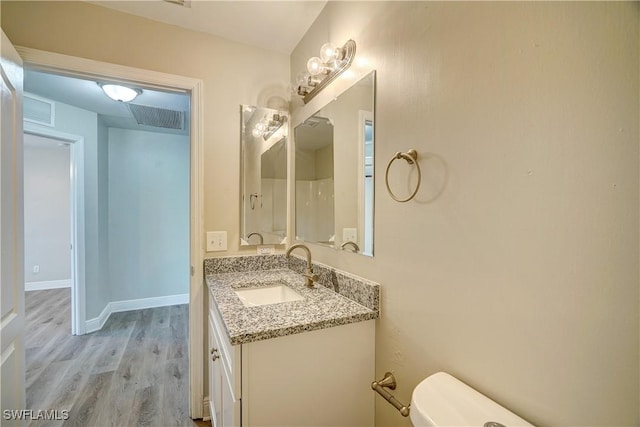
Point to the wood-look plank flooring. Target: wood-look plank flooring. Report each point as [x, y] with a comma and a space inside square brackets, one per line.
[133, 372]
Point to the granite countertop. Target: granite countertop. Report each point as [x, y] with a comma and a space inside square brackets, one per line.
[321, 307]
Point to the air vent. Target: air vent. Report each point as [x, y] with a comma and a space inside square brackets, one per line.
[157, 117]
[314, 121]
[38, 110]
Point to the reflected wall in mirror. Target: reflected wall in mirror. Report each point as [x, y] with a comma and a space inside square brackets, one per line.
[314, 181]
[334, 158]
[263, 176]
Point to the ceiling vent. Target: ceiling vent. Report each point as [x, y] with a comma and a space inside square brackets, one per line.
[157, 117]
[38, 110]
[314, 121]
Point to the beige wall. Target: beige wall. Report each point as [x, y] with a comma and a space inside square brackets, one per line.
[233, 74]
[516, 267]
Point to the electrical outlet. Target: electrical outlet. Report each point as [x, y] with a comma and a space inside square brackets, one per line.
[349, 234]
[216, 241]
[266, 250]
[36, 269]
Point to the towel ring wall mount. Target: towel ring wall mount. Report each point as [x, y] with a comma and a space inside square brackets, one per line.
[411, 157]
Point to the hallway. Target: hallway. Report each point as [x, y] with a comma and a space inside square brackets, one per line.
[132, 372]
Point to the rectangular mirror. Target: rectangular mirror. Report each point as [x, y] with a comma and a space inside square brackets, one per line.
[334, 158]
[263, 176]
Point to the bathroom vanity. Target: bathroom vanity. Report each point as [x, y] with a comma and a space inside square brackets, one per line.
[306, 361]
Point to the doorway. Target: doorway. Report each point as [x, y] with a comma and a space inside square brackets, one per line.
[46, 61]
[51, 207]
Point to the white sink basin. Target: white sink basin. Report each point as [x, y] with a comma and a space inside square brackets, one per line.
[267, 294]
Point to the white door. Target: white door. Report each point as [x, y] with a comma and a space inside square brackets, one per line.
[12, 384]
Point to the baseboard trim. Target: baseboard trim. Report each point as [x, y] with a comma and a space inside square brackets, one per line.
[206, 414]
[97, 323]
[47, 284]
[139, 304]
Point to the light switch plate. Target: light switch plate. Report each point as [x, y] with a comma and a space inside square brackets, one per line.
[216, 241]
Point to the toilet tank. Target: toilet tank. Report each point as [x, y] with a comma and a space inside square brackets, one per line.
[442, 400]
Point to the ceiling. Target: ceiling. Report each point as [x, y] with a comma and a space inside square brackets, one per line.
[86, 94]
[273, 25]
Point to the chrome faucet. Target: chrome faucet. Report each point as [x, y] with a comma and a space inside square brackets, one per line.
[256, 234]
[309, 274]
[356, 248]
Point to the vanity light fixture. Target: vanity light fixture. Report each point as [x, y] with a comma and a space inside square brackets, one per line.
[324, 69]
[267, 127]
[120, 93]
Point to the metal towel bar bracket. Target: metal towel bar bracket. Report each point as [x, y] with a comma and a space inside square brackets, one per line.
[389, 381]
[411, 157]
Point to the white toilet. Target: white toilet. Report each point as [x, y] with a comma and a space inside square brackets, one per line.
[442, 400]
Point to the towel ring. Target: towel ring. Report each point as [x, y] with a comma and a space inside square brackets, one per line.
[411, 157]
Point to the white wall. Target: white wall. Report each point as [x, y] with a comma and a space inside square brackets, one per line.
[314, 194]
[148, 214]
[516, 267]
[83, 123]
[47, 216]
[102, 292]
[273, 183]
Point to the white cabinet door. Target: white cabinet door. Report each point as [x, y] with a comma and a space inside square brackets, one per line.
[228, 406]
[11, 233]
[215, 379]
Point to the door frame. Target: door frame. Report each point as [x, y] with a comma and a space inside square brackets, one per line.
[91, 69]
[76, 157]
[364, 116]
[12, 320]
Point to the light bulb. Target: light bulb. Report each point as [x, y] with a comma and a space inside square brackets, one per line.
[302, 79]
[315, 66]
[261, 126]
[256, 133]
[328, 53]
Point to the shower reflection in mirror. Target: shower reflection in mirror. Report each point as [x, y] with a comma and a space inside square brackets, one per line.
[314, 181]
[263, 176]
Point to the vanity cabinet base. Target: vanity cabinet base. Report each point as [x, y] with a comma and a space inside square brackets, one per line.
[313, 378]
[319, 378]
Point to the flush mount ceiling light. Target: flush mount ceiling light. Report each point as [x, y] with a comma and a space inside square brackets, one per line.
[324, 69]
[119, 93]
